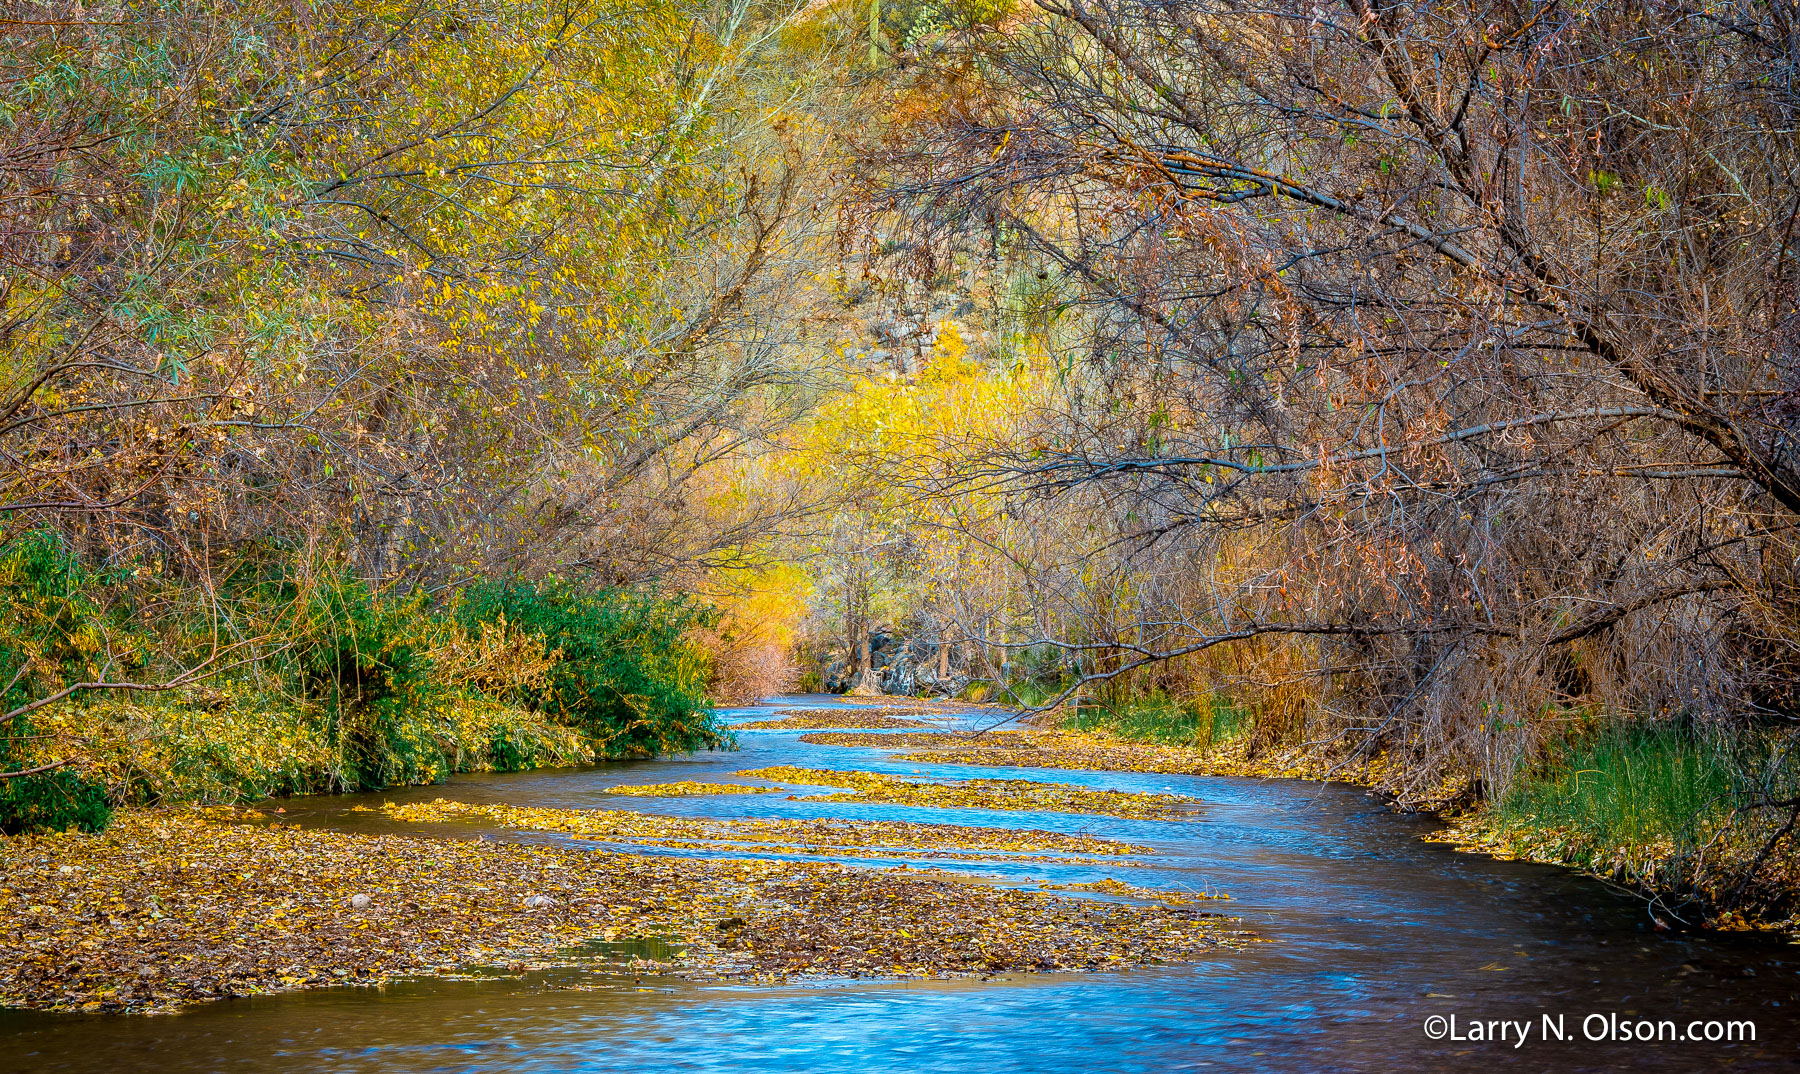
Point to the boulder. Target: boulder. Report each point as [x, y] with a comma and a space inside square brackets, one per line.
[834, 675]
[902, 676]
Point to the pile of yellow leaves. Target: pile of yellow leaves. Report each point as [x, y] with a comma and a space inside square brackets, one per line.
[1071, 751]
[1112, 886]
[686, 787]
[835, 838]
[800, 721]
[1015, 794]
[172, 908]
[920, 739]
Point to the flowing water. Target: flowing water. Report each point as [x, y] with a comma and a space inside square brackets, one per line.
[1372, 932]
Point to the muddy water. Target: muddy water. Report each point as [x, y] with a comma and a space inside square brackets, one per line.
[1373, 933]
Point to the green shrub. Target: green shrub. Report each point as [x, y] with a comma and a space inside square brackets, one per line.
[1027, 693]
[364, 661]
[344, 688]
[977, 691]
[53, 615]
[54, 629]
[626, 673]
[55, 800]
[482, 735]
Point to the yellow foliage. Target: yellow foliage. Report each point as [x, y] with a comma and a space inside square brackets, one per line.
[240, 741]
[501, 658]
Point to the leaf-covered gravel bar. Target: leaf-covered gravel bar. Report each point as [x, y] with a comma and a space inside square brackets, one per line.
[1071, 752]
[1005, 794]
[803, 721]
[166, 909]
[836, 838]
[682, 788]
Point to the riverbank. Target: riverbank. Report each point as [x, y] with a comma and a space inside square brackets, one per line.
[168, 908]
[1704, 832]
[1368, 928]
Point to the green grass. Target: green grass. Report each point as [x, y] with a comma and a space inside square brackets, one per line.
[1202, 723]
[1627, 786]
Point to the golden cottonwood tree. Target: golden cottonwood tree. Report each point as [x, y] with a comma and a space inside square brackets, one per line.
[452, 279]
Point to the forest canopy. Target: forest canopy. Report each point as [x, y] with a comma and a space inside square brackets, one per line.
[377, 378]
[1410, 388]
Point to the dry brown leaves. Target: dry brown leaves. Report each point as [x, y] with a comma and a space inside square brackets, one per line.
[168, 909]
[1011, 794]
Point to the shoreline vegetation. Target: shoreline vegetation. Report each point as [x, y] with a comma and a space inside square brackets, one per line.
[333, 687]
[1665, 811]
[391, 390]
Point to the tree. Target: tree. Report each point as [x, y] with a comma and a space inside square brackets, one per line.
[469, 283]
[1454, 342]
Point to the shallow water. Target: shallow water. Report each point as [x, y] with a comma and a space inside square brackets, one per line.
[1372, 932]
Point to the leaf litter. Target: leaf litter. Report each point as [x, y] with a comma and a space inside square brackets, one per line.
[1112, 886]
[1072, 751]
[817, 836]
[170, 908]
[1004, 794]
[684, 787]
[801, 720]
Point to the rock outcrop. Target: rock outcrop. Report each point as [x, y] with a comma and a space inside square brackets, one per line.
[898, 665]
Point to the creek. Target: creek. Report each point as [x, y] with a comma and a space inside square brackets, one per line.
[1370, 930]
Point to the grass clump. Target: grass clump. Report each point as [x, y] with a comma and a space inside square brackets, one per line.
[1634, 786]
[1699, 822]
[1202, 723]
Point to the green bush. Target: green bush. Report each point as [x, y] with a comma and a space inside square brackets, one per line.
[1026, 693]
[55, 800]
[906, 24]
[364, 661]
[53, 629]
[345, 688]
[53, 613]
[627, 675]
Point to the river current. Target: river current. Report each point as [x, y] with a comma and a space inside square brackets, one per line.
[1377, 941]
